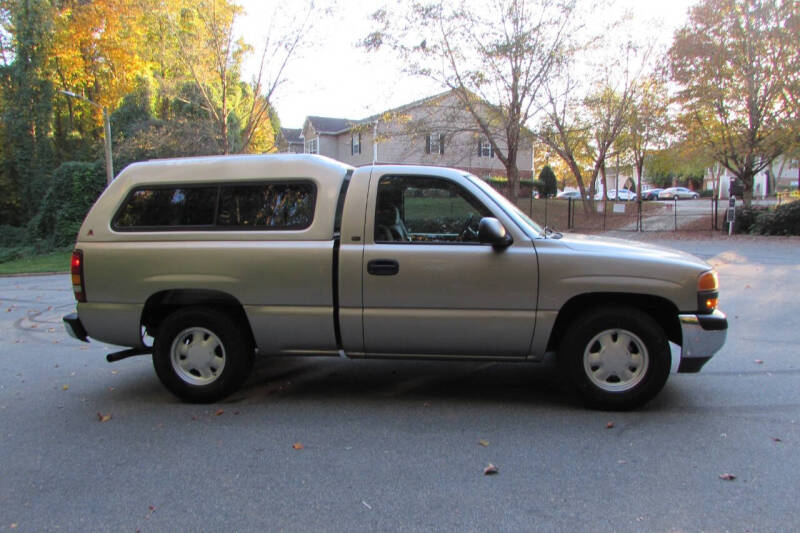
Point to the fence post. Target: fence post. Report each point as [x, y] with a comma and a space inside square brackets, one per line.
[569, 213]
[545, 210]
[675, 209]
[639, 225]
[713, 214]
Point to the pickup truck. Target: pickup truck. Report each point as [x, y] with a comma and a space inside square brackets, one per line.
[217, 259]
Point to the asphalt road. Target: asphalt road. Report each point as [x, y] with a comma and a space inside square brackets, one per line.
[396, 446]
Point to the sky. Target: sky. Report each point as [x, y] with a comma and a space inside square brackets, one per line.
[332, 77]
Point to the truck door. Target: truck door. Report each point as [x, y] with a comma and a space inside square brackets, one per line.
[429, 287]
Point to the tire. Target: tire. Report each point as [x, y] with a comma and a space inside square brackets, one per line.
[616, 357]
[202, 355]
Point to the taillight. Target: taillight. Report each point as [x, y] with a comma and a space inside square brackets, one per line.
[76, 269]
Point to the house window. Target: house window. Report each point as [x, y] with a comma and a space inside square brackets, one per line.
[434, 143]
[485, 148]
[312, 146]
[355, 144]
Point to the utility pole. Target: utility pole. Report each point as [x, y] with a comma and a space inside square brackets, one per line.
[106, 133]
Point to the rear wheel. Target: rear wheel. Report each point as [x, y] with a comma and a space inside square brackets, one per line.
[202, 355]
[616, 357]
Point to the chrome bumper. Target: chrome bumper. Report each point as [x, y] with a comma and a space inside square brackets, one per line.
[703, 336]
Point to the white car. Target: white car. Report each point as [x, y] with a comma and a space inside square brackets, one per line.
[678, 193]
[623, 195]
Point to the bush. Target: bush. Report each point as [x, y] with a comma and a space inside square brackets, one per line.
[783, 220]
[707, 193]
[745, 218]
[74, 188]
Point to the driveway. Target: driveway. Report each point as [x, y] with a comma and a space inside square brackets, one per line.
[337, 445]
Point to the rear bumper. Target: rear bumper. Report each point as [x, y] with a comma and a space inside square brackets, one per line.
[703, 336]
[74, 327]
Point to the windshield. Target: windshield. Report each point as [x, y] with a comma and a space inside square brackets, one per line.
[512, 210]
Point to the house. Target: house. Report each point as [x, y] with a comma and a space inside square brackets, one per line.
[290, 141]
[782, 175]
[432, 131]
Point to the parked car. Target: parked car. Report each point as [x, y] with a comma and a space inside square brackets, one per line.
[679, 193]
[651, 194]
[624, 195]
[566, 195]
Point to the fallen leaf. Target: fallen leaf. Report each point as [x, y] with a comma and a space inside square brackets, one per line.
[483, 443]
[609, 425]
[776, 439]
[297, 446]
[14, 525]
[65, 387]
[759, 362]
[490, 470]
[727, 477]
[151, 508]
[51, 330]
[219, 413]
[103, 418]
[747, 286]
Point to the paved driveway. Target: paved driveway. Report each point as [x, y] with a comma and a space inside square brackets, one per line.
[390, 446]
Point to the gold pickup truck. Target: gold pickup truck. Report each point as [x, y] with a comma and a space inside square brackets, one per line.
[217, 259]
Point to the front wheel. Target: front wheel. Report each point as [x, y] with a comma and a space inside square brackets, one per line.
[616, 357]
[202, 355]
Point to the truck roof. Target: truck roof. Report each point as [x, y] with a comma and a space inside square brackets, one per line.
[234, 167]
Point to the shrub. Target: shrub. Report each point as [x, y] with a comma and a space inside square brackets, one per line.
[783, 220]
[745, 218]
[75, 186]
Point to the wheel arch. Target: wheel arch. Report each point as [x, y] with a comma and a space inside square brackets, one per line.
[161, 304]
[660, 309]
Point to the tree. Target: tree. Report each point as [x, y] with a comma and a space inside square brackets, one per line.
[734, 61]
[548, 179]
[27, 150]
[205, 46]
[648, 122]
[496, 57]
[582, 128]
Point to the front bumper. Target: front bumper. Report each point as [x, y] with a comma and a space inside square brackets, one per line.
[74, 327]
[703, 336]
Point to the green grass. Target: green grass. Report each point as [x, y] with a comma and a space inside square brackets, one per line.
[50, 262]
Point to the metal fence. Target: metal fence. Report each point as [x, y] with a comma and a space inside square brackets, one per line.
[670, 215]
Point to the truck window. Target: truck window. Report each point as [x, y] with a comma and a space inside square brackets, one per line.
[168, 207]
[288, 206]
[419, 209]
[261, 206]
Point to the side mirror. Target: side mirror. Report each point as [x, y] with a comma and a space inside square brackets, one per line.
[491, 231]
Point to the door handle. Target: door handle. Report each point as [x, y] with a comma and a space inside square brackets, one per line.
[383, 267]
